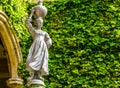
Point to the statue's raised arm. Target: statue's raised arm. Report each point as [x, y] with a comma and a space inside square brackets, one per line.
[30, 27]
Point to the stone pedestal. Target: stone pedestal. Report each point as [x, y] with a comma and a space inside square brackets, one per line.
[36, 84]
[15, 83]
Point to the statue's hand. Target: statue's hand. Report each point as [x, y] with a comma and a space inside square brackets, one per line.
[28, 23]
[49, 43]
[28, 20]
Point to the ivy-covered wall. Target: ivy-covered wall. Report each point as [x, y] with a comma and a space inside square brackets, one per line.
[86, 36]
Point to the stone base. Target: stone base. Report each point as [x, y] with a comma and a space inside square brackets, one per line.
[15, 83]
[36, 84]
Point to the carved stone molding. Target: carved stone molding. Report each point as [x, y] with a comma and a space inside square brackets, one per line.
[9, 52]
[15, 83]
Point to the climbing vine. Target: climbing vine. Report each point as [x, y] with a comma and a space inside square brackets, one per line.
[86, 36]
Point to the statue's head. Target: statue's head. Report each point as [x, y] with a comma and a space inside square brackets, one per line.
[39, 22]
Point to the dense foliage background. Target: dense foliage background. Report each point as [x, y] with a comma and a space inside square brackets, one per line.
[86, 41]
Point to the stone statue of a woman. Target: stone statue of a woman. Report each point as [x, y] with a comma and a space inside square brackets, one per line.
[37, 60]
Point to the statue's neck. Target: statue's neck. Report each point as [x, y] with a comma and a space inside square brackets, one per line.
[38, 28]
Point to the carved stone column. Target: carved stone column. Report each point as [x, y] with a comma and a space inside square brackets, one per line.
[12, 56]
[15, 83]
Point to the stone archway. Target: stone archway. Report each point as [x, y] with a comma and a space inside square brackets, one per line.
[10, 54]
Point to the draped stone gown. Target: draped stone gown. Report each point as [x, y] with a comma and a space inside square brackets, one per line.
[37, 59]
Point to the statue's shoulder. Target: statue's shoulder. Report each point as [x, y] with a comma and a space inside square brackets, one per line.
[44, 32]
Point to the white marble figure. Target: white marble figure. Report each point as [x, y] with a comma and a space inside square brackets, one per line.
[37, 60]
